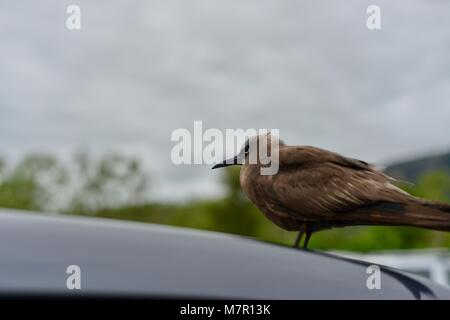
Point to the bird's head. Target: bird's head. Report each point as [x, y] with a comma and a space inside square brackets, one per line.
[256, 150]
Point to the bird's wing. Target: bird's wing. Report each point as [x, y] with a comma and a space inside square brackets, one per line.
[304, 155]
[324, 188]
[292, 155]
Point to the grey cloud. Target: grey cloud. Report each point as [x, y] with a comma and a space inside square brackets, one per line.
[139, 69]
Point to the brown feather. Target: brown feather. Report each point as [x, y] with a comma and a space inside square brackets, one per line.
[325, 189]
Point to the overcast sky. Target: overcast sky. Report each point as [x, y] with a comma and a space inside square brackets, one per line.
[137, 70]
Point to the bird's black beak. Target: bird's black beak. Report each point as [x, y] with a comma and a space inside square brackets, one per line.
[226, 163]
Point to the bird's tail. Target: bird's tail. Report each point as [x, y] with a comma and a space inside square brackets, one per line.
[411, 211]
[428, 214]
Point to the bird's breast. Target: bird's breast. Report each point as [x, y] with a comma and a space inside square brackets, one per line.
[257, 188]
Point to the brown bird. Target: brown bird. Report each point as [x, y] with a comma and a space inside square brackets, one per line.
[316, 189]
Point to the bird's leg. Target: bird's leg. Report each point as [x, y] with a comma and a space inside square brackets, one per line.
[308, 236]
[299, 236]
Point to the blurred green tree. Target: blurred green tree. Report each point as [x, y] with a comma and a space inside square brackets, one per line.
[434, 185]
[41, 182]
[27, 186]
[112, 180]
[116, 186]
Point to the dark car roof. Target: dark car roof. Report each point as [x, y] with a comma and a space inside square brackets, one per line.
[125, 258]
